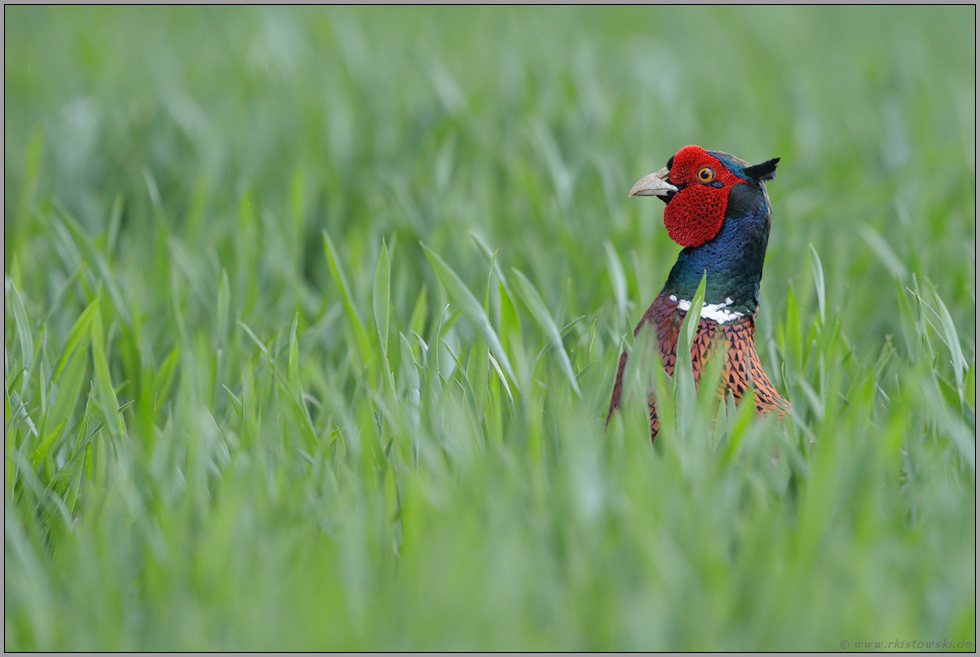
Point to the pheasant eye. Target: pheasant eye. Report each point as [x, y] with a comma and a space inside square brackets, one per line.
[706, 175]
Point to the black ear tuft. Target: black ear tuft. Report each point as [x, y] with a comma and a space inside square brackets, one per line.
[764, 171]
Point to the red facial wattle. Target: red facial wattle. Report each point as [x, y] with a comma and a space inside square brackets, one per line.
[695, 213]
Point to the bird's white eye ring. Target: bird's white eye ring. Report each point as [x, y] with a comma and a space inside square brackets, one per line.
[705, 175]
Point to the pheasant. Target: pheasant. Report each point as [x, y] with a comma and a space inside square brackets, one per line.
[718, 210]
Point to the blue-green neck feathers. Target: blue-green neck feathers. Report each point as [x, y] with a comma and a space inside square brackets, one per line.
[734, 257]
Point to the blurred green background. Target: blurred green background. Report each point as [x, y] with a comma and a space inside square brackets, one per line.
[245, 409]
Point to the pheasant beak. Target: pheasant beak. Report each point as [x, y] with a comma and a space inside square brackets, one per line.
[654, 185]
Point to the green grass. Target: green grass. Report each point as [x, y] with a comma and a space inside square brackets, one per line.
[311, 319]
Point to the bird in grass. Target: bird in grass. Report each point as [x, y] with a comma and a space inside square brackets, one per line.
[718, 210]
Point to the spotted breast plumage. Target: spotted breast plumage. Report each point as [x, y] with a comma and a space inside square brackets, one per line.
[718, 209]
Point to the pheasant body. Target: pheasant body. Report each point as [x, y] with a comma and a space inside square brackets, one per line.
[718, 209]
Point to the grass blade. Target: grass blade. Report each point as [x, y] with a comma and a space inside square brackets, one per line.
[24, 335]
[381, 298]
[818, 282]
[689, 327]
[472, 309]
[618, 277]
[336, 270]
[539, 310]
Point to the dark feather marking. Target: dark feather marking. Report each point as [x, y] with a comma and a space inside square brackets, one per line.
[763, 171]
